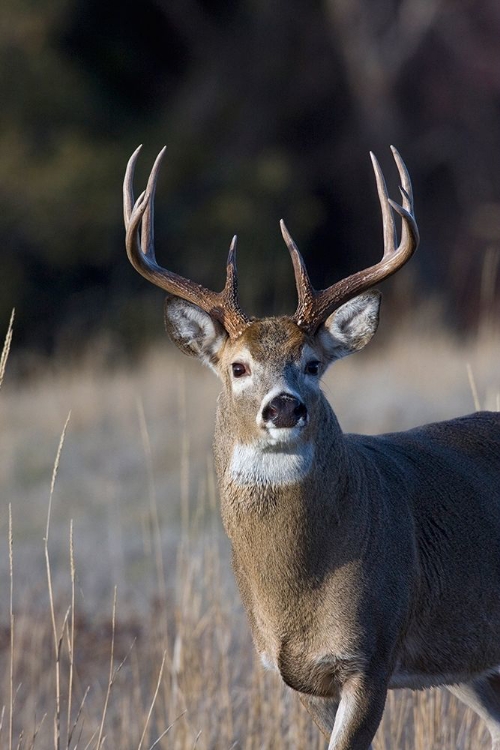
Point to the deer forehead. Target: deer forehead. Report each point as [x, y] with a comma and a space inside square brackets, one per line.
[272, 342]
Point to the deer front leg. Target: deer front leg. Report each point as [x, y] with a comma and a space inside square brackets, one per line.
[362, 701]
[323, 711]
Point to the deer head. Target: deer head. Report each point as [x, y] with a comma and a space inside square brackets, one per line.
[270, 367]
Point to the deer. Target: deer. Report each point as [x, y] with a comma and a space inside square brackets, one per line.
[364, 563]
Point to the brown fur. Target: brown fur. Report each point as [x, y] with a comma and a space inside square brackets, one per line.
[381, 566]
[364, 563]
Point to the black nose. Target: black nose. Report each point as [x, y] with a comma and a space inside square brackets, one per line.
[284, 411]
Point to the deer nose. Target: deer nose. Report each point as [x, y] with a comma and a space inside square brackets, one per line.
[284, 410]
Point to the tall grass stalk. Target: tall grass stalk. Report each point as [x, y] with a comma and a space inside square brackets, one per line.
[155, 696]
[112, 674]
[6, 347]
[57, 639]
[71, 635]
[473, 387]
[11, 614]
[153, 507]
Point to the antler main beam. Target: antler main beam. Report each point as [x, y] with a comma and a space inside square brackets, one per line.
[139, 215]
[315, 306]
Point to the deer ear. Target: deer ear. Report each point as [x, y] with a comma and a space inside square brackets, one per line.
[351, 327]
[194, 331]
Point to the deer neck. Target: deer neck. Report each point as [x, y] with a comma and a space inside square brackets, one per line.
[303, 482]
[289, 538]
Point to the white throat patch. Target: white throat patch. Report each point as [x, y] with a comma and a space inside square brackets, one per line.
[250, 464]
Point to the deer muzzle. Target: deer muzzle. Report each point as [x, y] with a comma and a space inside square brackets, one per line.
[285, 410]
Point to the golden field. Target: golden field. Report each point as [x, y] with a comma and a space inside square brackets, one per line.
[120, 623]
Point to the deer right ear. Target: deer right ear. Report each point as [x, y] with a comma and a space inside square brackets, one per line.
[194, 331]
[351, 327]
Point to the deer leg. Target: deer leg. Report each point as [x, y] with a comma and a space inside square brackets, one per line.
[359, 713]
[483, 696]
[322, 710]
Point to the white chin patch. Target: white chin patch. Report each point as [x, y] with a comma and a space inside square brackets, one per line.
[279, 464]
[281, 437]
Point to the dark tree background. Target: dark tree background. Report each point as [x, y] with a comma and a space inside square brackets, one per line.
[269, 110]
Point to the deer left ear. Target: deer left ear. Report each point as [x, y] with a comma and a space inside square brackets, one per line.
[351, 327]
[194, 331]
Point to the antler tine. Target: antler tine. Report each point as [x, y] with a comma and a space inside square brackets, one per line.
[305, 290]
[406, 186]
[128, 188]
[389, 227]
[223, 306]
[315, 306]
[231, 286]
[147, 226]
[406, 193]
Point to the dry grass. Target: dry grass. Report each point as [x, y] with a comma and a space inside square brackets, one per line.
[167, 661]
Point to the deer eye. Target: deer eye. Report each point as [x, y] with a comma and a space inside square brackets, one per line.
[312, 368]
[239, 369]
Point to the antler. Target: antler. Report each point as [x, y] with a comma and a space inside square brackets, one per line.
[315, 306]
[223, 306]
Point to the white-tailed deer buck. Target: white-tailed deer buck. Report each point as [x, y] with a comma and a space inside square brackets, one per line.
[364, 563]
